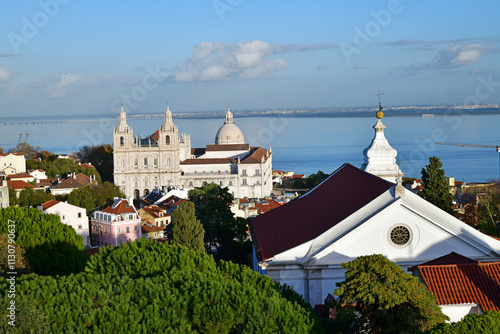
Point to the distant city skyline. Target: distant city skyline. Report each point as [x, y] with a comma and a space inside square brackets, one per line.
[62, 57]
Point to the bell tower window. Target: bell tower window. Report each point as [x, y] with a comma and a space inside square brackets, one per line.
[121, 141]
[167, 140]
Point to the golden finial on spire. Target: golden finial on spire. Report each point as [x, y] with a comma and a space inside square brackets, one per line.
[379, 113]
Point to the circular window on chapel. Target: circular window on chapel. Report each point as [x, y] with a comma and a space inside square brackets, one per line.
[400, 235]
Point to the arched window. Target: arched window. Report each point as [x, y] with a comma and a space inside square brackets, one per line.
[121, 141]
[136, 194]
[167, 140]
[146, 192]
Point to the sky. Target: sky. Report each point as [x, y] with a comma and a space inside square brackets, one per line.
[67, 57]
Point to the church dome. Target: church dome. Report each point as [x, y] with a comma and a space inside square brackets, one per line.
[229, 133]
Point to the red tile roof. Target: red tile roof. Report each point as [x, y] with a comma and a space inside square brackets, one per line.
[344, 192]
[256, 155]
[297, 176]
[6, 154]
[267, 206]
[49, 204]
[68, 183]
[120, 207]
[149, 229]
[228, 147]
[20, 176]
[87, 165]
[155, 210]
[452, 258]
[18, 184]
[464, 283]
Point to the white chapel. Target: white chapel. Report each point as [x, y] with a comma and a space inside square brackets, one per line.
[166, 158]
[357, 212]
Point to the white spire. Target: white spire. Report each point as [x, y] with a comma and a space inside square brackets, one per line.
[122, 125]
[229, 116]
[168, 123]
[380, 157]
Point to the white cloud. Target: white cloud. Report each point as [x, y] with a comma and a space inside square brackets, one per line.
[5, 74]
[66, 84]
[454, 56]
[211, 61]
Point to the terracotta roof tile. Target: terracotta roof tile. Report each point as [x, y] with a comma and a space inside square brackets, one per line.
[19, 184]
[344, 192]
[464, 283]
[49, 204]
[120, 208]
[68, 183]
[452, 258]
[256, 155]
[149, 229]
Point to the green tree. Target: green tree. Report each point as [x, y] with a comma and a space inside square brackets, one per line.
[486, 323]
[185, 229]
[314, 179]
[31, 198]
[28, 319]
[223, 232]
[387, 299]
[92, 197]
[101, 157]
[29, 151]
[436, 190]
[51, 246]
[20, 262]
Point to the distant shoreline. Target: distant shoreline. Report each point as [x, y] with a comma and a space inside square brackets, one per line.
[411, 111]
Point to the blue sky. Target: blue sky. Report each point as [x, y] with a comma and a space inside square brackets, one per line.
[61, 57]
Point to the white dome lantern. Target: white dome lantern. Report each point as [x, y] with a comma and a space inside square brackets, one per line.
[380, 157]
[229, 133]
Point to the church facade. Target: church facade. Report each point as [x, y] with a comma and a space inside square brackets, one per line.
[166, 158]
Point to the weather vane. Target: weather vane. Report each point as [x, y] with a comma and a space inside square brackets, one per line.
[379, 94]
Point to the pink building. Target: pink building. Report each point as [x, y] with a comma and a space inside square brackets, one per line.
[116, 224]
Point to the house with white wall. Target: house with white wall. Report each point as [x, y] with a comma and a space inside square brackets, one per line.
[71, 215]
[16, 161]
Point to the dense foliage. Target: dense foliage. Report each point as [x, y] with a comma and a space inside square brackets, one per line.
[185, 229]
[61, 168]
[94, 196]
[314, 179]
[486, 323]
[435, 184]
[20, 262]
[150, 287]
[51, 246]
[101, 156]
[225, 235]
[483, 211]
[31, 198]
[377, 295]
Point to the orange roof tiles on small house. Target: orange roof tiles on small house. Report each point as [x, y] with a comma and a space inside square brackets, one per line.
[18, 184]
[464, 283]
[120, 206]
[49, 204]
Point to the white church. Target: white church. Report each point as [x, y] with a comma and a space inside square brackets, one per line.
[356, 212]
[166, 158]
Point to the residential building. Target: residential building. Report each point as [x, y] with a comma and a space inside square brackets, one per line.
[116, 225]
[19, 186]
[152, 232]
[16, 162]
[461, 285]
[71, 215]
[155, 216]
[166, 159]
[38, 174]
[71, 183]
[21, 177]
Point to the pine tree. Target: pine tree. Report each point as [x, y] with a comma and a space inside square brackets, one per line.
[186, 229]
[436, 190]
[379, 297]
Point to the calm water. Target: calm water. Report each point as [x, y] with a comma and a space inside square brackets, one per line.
[306, 145]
